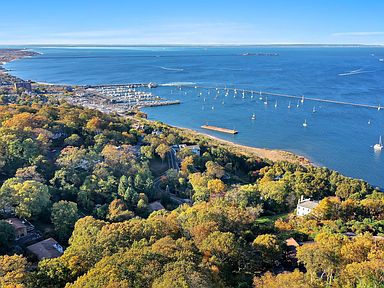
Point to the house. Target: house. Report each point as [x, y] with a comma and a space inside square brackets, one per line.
[48, 248]
[195, 149]
[23, 85]
[292, 243]
[305, 206]
[19, 226]
[155, 206]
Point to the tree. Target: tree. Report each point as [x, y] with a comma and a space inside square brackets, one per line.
[118, 211]
[64, 216]
[269, 247]
[296, 279]
[31, 198]
[216, 187]
[214, 170]
[162, 150]
[13, 271]
[7, 235]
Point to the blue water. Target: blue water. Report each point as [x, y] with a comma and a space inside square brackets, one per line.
[337, 136]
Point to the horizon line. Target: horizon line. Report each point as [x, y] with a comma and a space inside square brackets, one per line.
[194, 44]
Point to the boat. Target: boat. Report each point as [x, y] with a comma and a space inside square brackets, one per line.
[266, 101]
[204, 99]
[222, 102]
[260, 98]
[305, 123]
[289, 105]
[276, 104]
[302, 99]
[379, 108]
[253, 116]
[369, 122]
[298, 104]
[381, 59]
[252, 95]
[243, 94]
[378, 146]
[213, 107]
[314, 109]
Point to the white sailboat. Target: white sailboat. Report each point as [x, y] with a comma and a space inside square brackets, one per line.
[289, 105]
[314, 109]
[253, 116]
[266, 100]
[213, 107]
[302, 99]
[276, 104]
[369, 122]
[260, 98]
[252, 95]
[298, 104]
[378, 146]
[305, 123]
[379, 108]
[243, 94]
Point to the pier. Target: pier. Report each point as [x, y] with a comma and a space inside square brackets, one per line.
[219, 129]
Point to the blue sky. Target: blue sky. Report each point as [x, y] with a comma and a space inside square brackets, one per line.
[191, 22]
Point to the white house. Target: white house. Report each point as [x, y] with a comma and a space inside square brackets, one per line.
[305, 206]
[195, 149]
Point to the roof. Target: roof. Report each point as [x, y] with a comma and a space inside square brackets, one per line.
[16, 223]
[308, 204]
[48, 248]
[155, 206]
[292, 242]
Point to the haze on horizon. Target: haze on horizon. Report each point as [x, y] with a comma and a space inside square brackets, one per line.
[150, 22]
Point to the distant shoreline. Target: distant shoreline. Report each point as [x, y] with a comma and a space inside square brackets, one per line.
[265, 153]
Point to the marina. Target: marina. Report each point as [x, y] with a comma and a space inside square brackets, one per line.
[220, 87]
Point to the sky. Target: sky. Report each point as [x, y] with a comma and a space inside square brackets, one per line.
[151, 22]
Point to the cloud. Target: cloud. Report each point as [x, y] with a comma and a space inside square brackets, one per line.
[376, 33]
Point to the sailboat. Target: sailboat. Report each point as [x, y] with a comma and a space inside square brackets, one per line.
[243, 94]
[314, 109]
[305, 123]
[379, 108]
[298, 104]
[252, 95]
[213, 107]
[289, 105]
[302, 99]
[276, 104]
[266, 101]
[253, 116]
[369, 122]
[260, 98]
[378, 146]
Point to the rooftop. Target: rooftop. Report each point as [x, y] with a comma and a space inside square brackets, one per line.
[16, 223]
[48, 248]
[308, 204]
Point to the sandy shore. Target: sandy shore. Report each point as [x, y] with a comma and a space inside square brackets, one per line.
[270, 154]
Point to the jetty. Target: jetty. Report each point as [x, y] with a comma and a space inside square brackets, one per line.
[220, 129]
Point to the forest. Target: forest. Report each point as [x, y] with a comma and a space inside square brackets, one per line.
[89, 180]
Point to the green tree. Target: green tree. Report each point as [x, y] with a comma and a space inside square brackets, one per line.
[269, 247]
[162, 150]
[64, 216]
[7, 236]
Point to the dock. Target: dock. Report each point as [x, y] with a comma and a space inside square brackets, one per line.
[220, 129]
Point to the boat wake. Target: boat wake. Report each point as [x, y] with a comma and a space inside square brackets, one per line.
[355, 72]
[178, 84]
[171, 69]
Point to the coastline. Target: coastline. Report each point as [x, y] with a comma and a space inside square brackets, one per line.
[264, 153]
[273, 155]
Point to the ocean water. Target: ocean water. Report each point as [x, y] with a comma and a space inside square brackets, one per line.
[337, 136]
